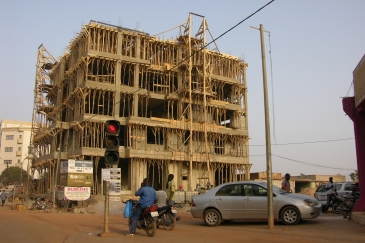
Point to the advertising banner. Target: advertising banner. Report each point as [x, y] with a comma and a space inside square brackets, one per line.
[77, 193]
[359, 82]
[76, 179]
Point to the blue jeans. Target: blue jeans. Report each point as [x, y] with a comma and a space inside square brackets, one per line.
[171, 202]
[136, 214]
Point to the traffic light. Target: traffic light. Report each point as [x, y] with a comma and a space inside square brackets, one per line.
[111, 141]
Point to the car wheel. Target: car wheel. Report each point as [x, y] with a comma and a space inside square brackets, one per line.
[290, 215]
[212, 217]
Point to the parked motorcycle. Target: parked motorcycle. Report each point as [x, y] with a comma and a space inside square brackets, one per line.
[167, 217]
[336, 203]
[147, 219]
[347, 204]
[42, 204]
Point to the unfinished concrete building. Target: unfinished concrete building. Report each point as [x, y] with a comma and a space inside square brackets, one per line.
[182, 107]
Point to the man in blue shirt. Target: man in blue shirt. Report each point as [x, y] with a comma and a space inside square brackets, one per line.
[147, 197]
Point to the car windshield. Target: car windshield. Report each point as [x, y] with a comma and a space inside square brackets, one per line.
[321, 188]
[275, 189]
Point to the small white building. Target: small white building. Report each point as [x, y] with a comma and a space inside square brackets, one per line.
[14, 142]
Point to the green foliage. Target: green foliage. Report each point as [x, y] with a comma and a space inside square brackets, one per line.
[354, 175]
[12, 175]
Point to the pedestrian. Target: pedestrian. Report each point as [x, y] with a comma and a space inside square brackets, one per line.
[3, 196]
[170, 190]
[285, 185]
[330, 189]
[147, 197]
[161, 196]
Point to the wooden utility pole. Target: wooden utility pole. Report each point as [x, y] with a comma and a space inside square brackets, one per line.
[190, 114]
[267, 131]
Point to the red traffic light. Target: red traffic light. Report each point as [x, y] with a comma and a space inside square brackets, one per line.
[111, 141]
[112, 127]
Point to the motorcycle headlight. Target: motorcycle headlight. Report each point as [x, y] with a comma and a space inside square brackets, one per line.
[310, 202]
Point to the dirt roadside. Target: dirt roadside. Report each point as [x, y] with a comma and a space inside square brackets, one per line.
[37, 226]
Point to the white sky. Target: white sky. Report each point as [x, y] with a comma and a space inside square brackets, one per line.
[315, 46]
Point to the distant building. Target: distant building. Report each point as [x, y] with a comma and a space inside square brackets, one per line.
[14, 142]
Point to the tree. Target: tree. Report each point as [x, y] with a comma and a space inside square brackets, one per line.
[12, 175]
[354, 175]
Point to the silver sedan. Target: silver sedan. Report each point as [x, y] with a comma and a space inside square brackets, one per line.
[247, 200]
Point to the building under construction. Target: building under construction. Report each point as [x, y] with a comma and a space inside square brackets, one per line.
[182, 107]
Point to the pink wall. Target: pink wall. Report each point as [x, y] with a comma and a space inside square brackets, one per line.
[357, 115]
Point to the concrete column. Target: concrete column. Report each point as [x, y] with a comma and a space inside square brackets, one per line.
[118, 71]
[139, 172]
[136, 76]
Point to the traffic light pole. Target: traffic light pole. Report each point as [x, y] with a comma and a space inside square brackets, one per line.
[106, 232]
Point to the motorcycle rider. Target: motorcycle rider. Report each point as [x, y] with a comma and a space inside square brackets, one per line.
[330, 189]
[147, 197]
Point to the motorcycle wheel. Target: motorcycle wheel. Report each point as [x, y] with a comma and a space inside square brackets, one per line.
[337, 208]
[150, 227]
[347, 207]
[168, 221]
[341, 208]
[48, 206]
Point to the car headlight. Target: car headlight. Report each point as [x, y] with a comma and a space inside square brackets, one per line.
[310, 202]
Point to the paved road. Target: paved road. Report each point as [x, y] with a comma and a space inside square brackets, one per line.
[38, 227]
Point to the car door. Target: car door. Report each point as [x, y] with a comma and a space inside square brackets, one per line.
[347, 189]
[254, 202]
[229, 201]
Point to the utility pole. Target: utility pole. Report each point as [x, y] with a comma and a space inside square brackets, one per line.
[30, 151]
[56, 176]
[267, 131]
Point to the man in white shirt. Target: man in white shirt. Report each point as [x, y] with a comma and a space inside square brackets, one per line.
[330, 189]
[161, 196]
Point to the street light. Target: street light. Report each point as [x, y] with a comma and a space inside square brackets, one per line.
[21, 169]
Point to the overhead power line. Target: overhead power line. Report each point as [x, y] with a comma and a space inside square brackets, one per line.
[224, 33]
[301, 162]
[323, 141]
[196, 51]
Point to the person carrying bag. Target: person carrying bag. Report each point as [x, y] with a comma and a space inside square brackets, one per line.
[128, 210]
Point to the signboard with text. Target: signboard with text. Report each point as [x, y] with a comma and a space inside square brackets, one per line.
[113, 175]
[76, 179]
[77, 193]
[77, 166]
[359, 82]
